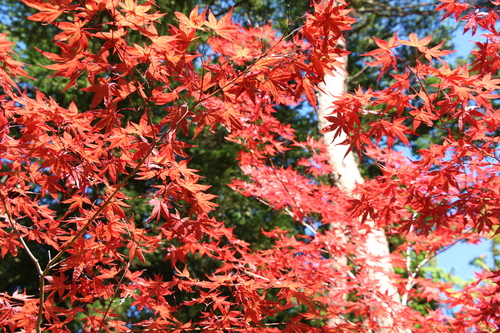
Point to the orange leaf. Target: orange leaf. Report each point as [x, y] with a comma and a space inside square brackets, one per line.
[224, 27]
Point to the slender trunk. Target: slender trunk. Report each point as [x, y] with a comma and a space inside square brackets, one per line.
[346, 176]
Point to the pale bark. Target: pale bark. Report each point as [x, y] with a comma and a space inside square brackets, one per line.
[346, 175]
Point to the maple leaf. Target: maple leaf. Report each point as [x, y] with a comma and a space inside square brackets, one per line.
[295, 326]
[384, 54]
[69, 61]
[415, 42]
[5, 45]
[77, 202]
[203, 201]
[224, 27]
[241, 55]
[195, 20]
[48, 12]
[113, 35]
[309, 92]
[435, 52]
[395, 129]
[10, 68]
[161, 209]
[420, 116]
[487, 83]
[136, 16]
[472, 21]
[105, 90]
[75, 32]
[453, 7]
[57, 284]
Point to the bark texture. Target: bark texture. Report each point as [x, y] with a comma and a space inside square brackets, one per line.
[346, 176]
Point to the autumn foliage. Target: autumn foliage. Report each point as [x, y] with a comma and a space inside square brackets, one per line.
[211, 72]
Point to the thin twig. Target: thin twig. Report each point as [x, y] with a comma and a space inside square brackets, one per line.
[18, 233]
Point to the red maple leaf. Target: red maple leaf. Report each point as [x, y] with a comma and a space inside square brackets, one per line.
[384, 54]
[224, 27]
[49, 10]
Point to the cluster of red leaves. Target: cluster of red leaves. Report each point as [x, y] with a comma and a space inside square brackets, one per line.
[84, 159]
[452, 188]
[449, 193]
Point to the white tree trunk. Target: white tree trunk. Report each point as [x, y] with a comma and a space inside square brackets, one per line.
[346, 176]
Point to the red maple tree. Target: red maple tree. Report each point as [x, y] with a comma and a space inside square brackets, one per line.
[84, 159]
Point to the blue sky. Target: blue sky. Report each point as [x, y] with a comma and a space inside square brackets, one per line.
[457, 258]
[464, 43]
